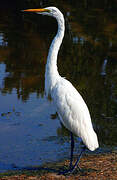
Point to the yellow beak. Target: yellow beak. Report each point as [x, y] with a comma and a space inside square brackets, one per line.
[36, 10]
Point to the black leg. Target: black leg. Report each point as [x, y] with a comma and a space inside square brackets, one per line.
[72, 150]
[72, 167]
[78, 159]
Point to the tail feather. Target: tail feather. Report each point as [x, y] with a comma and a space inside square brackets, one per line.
[91, 141]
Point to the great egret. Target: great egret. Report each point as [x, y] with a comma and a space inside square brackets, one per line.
[70, 106]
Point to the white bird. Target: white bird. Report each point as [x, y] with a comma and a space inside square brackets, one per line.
[71, 108]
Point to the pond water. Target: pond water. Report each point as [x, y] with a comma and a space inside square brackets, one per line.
[29, 133]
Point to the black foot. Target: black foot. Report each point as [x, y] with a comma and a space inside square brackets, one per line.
[71, 169]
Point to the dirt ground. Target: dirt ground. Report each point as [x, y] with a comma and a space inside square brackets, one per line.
[94, 167]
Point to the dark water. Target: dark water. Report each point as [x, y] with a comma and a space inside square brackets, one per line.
[88, 58]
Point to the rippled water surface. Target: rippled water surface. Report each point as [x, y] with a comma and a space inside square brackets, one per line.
[29, 132]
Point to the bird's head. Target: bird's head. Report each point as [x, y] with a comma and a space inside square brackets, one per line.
[49, 11]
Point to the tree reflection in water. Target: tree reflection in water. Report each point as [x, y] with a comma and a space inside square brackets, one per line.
[91, 36]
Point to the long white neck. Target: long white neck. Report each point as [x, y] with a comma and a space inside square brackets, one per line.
[51, 73]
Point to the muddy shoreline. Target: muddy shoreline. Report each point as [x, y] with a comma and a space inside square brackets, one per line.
[100, 166]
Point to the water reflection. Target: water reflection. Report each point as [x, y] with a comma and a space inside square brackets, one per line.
[103, 72]
[2, 74]
[28, 134]
[2, 42]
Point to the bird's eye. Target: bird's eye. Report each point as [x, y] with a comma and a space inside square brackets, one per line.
[48, 10]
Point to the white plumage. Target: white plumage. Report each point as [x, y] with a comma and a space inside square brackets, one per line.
[71, 108]
[73, 112]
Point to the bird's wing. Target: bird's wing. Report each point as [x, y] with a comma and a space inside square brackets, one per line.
[70, 106]
[72, 109]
